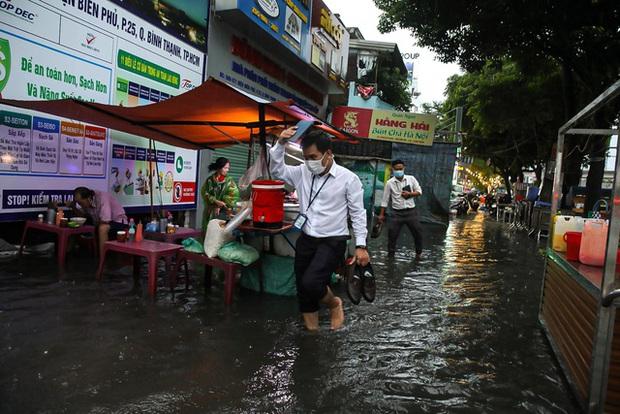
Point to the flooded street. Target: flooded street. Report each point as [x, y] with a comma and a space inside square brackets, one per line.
[457, 332]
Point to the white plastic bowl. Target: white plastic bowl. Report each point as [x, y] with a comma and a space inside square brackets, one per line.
[78, 220]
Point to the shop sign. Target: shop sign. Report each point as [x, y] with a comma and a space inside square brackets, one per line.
[94, 51]
[269, 7]
[288, 21]
[331, 26]
[242, 49]
[330, 43]
[402, 127]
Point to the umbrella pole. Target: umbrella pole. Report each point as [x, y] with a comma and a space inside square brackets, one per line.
[150, 174]
[263, 134]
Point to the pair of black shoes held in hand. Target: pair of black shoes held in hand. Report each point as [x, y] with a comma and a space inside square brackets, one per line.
[360, 282]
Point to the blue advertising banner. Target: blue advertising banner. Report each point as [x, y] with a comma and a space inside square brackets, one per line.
[286, 20]
[29, 199]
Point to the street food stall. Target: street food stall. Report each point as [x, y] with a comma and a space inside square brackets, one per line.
[580, 288]
[213, 115]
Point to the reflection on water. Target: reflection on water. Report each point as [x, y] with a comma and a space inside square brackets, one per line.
[456, 332]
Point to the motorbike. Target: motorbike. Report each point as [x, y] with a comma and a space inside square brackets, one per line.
[460, 205]
[473, 201]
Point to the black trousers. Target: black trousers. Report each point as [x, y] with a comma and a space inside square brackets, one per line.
[315, 261]
[400, 218]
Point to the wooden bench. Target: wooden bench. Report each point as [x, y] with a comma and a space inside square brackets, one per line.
[230, 270]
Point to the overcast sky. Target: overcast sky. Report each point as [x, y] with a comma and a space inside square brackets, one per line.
[431, 74]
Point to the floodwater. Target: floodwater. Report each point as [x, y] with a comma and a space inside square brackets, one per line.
[457, 332]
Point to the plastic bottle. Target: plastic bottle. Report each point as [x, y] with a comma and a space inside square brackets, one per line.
[139, 236]
[51, 215]
[131, 234]
[59, 216]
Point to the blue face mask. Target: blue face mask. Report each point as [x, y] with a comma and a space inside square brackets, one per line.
[399, 173]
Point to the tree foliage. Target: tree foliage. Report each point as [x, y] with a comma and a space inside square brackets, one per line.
[580, 34]
[510, 118]
[580, 37]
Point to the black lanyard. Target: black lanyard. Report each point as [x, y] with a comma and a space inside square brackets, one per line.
[317, 193]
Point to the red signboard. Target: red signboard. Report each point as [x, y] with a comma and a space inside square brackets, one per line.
[183, 192]
[394, 126]
[356, 121]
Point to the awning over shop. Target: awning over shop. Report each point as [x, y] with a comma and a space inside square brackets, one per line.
[209, 116]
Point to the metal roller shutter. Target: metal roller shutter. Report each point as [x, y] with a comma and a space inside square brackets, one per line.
[238, 156]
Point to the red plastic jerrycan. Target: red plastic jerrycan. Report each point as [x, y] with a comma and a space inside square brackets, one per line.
[268, 203]
[573, 242]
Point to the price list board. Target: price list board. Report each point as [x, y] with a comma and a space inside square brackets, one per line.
[71, 148]
[31, 144]
[45, 143]
[15, 140]
[94, 150]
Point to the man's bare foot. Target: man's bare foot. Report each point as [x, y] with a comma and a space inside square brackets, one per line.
[311, 321]
[337, 314]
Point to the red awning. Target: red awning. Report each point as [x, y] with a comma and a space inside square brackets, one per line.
[209, 116]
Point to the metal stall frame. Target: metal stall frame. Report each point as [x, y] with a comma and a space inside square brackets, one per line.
[609, 289]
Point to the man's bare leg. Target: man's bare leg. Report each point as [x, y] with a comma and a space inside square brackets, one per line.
[311, 320]
[336, 310]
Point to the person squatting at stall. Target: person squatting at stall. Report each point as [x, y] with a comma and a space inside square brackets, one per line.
[328, 195]
[219, 192]
[401, 190]
[105, 211]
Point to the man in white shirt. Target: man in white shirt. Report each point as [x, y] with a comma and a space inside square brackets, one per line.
[402, 190]
[328, 195]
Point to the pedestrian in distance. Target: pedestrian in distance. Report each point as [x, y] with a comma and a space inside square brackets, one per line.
[401, 191]
[329, 195]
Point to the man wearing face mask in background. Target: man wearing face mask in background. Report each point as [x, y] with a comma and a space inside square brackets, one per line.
[328, 195]
[401, 190]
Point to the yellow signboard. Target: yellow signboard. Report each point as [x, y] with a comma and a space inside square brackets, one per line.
[404, 127]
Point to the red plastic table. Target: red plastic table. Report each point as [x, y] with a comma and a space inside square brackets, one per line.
[151, 250]
[181, 234]
[62, 233]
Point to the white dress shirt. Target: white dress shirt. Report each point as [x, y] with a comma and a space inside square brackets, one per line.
[394, 188]
[341, 196]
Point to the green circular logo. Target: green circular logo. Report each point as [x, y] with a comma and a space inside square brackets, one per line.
[179, 164]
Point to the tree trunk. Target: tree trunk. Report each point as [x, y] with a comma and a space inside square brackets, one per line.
[538, 173]
[506, 177]
[594, 183]
[572, 156]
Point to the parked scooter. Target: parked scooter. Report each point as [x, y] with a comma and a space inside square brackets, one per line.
[473, 201]
[460, 205]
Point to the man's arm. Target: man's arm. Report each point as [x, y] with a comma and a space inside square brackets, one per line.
[357, 212]
[384, 201]
[279, 169]
[102, 236]
[416, 189]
